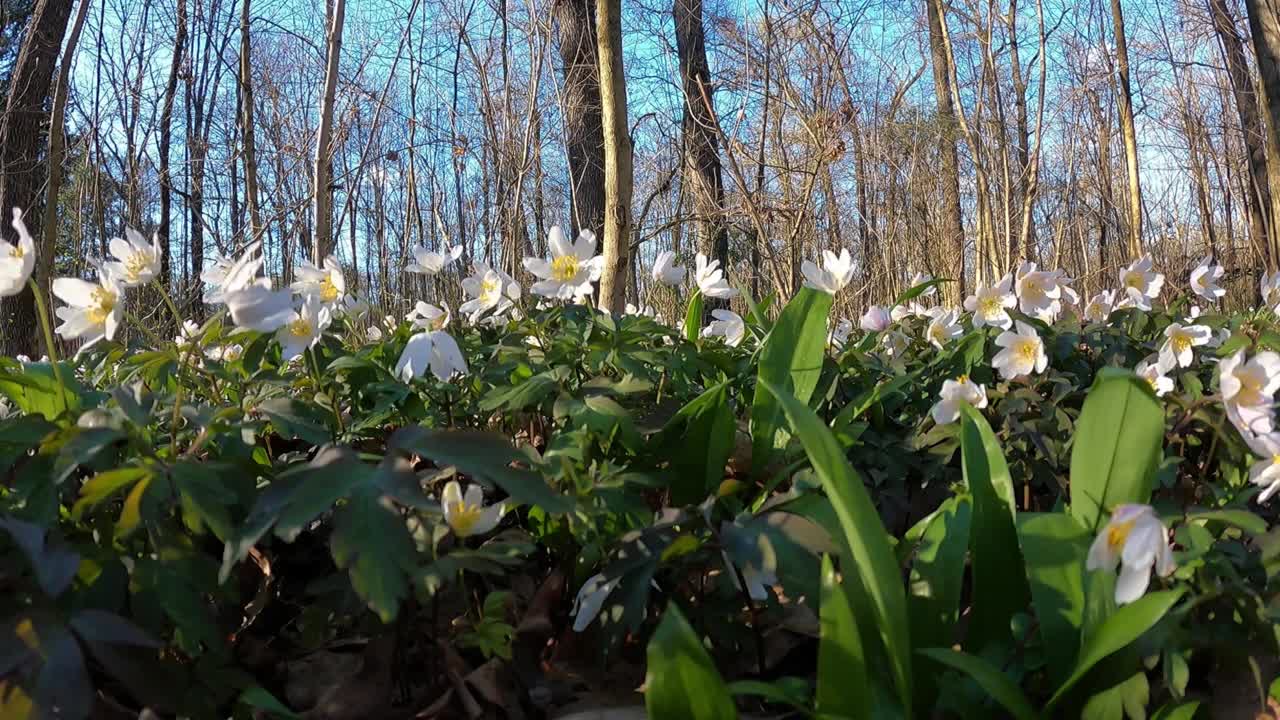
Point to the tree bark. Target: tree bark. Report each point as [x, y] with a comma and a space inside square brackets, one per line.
[952, 220]
[322, 241]
[21, 142]
[57, 154]
[1264, 29]
[1128, 132]
[166, 129]
[700, 156]
[617, 157]
[584, 134]
[246, 127]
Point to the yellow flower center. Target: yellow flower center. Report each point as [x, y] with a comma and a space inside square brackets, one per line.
[1152, 381]
[1118, 534]
[1133, 280]
[300, 328]
[1250, 389]
[488, 288]
[15, 251]
[1181, 343]
[990, 306]
[564, 268]
[1275, 459]
[134, 266]
[962, 379]
[1027, 350]
[1031, 286]
[328, 291]
[104, 301]
[463, 517]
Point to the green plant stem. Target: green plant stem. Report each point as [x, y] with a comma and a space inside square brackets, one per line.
[177, 316]
[155, 339]
[333, 399]
[51, 349]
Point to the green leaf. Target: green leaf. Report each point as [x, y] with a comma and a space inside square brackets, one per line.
[370, 541]
[1128, 698]
[864, 535]
[1117, 447]
[693, 317]
[1055, 547]
[940, 545]
[131, 513]
[707, 423]
[791, 360]
[204, 498]
[1177, 711]
[995, 683]
[33, 388]
[681, 681]
[1243, 519]
[314, 487]
[104, 485]
[842, 663]
[999, 582]
[293, 418]
[522, 395]
[1116, 632]
[485, 455]
[915, 292]
[256, 697]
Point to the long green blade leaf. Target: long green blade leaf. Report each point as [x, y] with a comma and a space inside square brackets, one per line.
[1055, 547]
[998, 685]
[681, 680]
[842, 663]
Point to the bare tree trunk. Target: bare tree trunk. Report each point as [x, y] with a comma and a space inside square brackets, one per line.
[21, 139]
[953, 221]
[246, 127]
[584, 134]
[1128, 131]
[166, 130]
[57, 154]
[1264, 29]
[700, 156]
[617, 157]
[322, 188]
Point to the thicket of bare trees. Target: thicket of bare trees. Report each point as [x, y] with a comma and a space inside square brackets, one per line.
[1073, 134]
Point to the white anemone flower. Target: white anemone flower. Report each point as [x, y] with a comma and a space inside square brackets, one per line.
[373, 334]
[944, 327]
[1153, 371]
[839, 335]
[426, 316]
[324, 282]
[894, 343]
[354, 306]
[227, 276]
[728, 325]
[961, 391]
[590, 600]
[1134, 539]
[569, 272]
[488, 290]
[833, 276]
[1100, 306]
[435, 350]
[257, 306]
[1038, 293]
[467, 514]
[93, 309]
[16, 260]
[1269, 289]
[136, 260]
[224, 353]
[1023, 352]
[710, 278]
[1204, 279]
[1179, 340]
[990, 305]
[1248, 389]
[1265, 473]
[304, 328]
[640, 310]
[1140, 283]
[911, 309]
[875, 319]
[920, 278]
[189, 333]
[666, 271]
[426, 262]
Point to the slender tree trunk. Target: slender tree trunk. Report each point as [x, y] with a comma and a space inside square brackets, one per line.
[166, 130]
[22, 134]
[952, 220]
[1264, 29]
[322, 187]
[701, 156]
[57, 154]
[584, 134]
[1128, 132]
[246, 127]
[617, 157]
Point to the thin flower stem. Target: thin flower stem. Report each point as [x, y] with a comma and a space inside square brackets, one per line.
[155, 339]
[177, 316]
[51, 349]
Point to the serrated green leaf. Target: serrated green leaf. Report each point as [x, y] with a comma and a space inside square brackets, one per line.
[371, 543]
